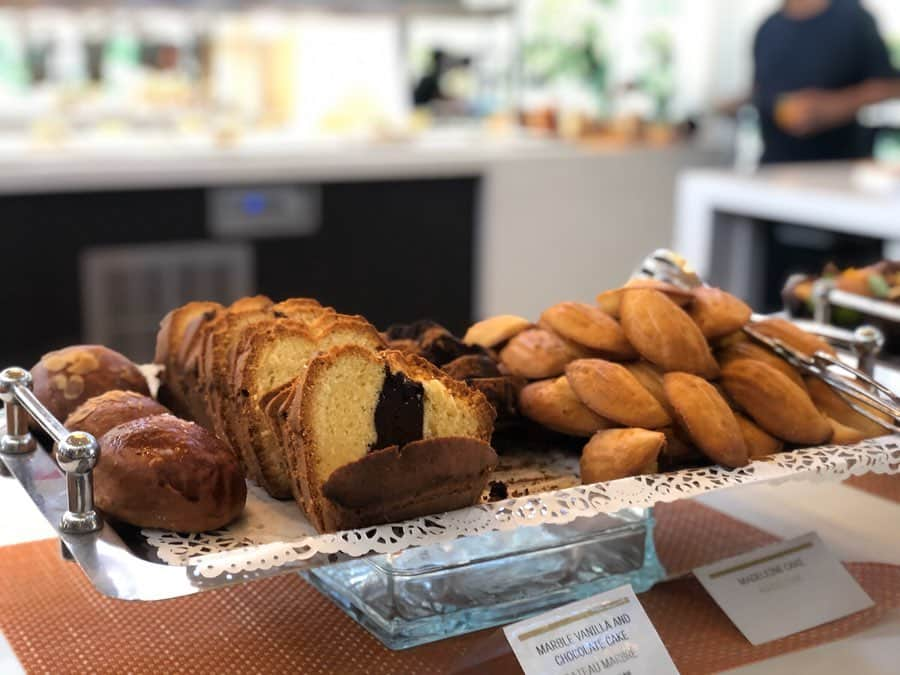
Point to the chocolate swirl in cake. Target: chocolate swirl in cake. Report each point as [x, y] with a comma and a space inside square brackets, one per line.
[400, 411]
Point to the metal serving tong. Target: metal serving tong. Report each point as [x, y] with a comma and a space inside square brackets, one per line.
[859, 391]
[834, 373]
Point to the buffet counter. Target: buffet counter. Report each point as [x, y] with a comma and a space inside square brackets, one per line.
[543, 204]
[718, 214]
[164, 160]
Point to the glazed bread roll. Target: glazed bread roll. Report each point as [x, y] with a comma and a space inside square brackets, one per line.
[101, 413]
[163, 472]
[68, 377]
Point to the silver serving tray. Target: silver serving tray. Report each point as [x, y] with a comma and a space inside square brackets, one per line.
[109, 562]
[120, 564]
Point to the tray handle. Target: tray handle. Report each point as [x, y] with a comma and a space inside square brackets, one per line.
[826, 295]
[77, 452]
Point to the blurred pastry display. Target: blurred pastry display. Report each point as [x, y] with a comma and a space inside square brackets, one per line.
[880, 281]
[850, 297]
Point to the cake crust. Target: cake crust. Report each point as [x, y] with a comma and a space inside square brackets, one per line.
[188, 359]
[397, 483]
[213, 376]
[175, 330]
[247, 413]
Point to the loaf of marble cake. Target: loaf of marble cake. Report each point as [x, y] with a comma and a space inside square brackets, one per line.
[375, 437]
[301, 394]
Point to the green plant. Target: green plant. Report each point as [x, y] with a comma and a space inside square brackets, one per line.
[569, 44]
[658, 79]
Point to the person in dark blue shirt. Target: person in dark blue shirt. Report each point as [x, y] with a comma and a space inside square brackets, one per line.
[817, 62]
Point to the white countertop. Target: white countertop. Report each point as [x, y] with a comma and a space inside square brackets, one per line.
[545, 207]
[827, 195]
[166, 159]
[121, 162]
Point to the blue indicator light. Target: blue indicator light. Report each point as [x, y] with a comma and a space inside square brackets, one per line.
[253, 203]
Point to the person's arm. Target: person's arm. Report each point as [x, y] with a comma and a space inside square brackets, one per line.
[811, 111]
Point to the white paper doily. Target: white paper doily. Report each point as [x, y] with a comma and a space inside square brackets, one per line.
[273, 534]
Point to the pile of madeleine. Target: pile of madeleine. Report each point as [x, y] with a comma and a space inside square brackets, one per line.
[659, 378]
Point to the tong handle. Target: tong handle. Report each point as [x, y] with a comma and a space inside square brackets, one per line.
[829, 361]
[866, 342]
[893, 425]
[665, 265]
[853, 394]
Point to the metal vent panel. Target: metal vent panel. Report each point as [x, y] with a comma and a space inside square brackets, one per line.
[126, 290]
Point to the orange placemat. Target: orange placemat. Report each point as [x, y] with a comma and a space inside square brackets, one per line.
[57, 623]
[879, 484]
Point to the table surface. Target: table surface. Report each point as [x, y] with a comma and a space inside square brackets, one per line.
[260, 157]
[858, 526]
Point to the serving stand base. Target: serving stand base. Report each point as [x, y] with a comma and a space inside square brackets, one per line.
[435, 592]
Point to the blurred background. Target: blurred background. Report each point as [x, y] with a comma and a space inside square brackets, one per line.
[448, 159]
